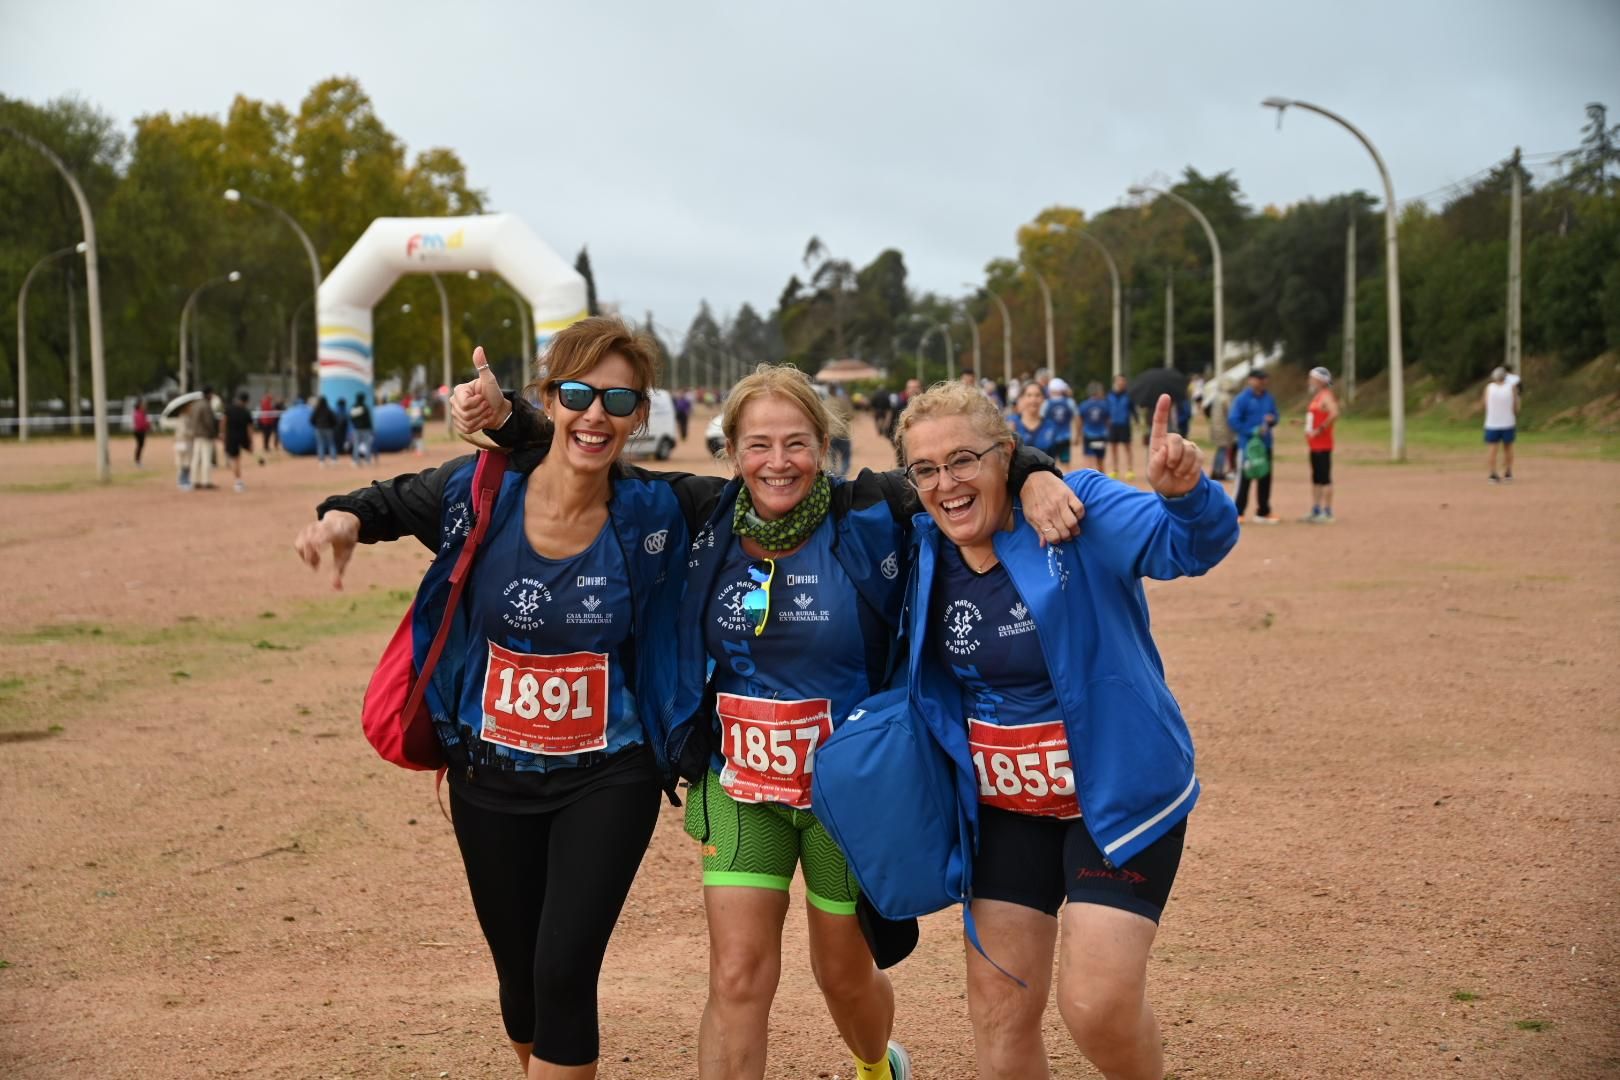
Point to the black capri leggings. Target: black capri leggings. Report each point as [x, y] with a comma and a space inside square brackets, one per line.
[548, 889]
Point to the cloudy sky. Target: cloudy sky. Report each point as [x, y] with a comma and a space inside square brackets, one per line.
[697, 146]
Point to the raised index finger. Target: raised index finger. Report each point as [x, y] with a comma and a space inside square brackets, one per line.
[1161, 422]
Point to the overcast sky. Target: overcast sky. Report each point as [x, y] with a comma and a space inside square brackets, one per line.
[697, 146]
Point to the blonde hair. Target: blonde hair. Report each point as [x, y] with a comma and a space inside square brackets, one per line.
[784, 381]
[946, 399]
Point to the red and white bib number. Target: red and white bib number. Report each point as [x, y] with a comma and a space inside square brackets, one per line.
[1025, 769]
[546, 704]
[770, 747]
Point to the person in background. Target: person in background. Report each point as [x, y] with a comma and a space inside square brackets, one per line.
[1030, 424]
[323, 421]
[238, 437]
[202, 428]
[683, 413]
[1120, 414]
[360, 420]
[1094, 420]
[1060, 413]
[1254, 413]
[417, 415]
[1320, 417]
[840, 450]
[882, 405]
[1501, 422]
[1217, 403]
[139, 425]
[268, 412]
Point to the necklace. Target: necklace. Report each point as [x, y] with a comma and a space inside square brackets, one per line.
[985, 565]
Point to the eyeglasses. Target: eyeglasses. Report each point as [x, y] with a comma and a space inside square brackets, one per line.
[616, 400]
[963, 465]
[757, 601]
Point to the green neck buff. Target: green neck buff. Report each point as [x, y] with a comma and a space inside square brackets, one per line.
[788, 531]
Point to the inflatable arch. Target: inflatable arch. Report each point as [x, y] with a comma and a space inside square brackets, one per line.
[393, 247]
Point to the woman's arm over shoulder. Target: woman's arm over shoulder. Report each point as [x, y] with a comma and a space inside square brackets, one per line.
[410, 504]
[697, 493]
[1142, 534]
[527, 428]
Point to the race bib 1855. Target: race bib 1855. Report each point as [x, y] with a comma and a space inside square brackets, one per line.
[549, 705]
[1025, 769]
[770, 747]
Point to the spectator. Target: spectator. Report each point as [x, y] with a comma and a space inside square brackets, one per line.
[1253, 415]
[268, 414]
[238, 436]
[1120, 413]
[343, 430]
[323, 421]
[418, 417]
[1217, 403]
[202, 428]
[1501, 421]
[139, 424]
[360, 421]
[1094, 425]
[683, 412]
[1059, 412]
[839, 449]
[1320, 417]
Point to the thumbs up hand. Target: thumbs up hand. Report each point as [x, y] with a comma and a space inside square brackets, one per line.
[479, 404]
[1175, 465]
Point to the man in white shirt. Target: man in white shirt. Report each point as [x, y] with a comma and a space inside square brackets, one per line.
[1501, 422]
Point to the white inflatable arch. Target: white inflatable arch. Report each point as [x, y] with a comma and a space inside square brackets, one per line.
[392, 247]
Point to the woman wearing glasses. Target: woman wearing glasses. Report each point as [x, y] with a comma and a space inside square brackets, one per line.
[793, 596]
[1036, 672]
[557, 686]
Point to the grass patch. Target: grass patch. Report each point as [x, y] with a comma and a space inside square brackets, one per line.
[1463, 995]
[271, 646]
[1532, 1025]
[13, 683]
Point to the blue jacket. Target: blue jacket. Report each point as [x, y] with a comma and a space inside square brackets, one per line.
[647, 519]
[1120, 408]
[871, 544]
[1249, 412]
[1132, 751]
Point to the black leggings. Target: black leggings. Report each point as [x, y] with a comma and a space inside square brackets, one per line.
[548, 889]
[1242, 500]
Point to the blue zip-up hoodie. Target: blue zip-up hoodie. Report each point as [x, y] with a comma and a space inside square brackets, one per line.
[647, 522]
[1249, 411]
[1132, 751]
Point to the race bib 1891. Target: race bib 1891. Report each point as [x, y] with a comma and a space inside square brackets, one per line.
[549, 705]
[1025, 769]
[770, 747]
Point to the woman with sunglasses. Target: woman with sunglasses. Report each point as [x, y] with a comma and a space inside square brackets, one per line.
[793, 598]
[1036, 672]
[555, 694]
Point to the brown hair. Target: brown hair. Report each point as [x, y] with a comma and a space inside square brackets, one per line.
[955, 399]
[579, 347]
[785, 381]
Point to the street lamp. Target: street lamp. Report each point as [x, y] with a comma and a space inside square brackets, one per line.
[973, 326]
[1215, 250]
[232, 195]
[92, 283]
[185, 317]
[444, 322]
[1046, 299]
[1392, 279]
[1006, 338]
[22, 337]
[1113, 274]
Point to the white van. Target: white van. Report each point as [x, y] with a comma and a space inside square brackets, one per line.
[658, 440]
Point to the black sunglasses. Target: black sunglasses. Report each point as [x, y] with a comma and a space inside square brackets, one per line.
[616, 400]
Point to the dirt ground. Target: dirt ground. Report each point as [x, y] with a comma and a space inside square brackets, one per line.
[1404, 864]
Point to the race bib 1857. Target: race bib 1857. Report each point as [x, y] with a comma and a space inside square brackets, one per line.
[770, 747]
[1025, 769]
[549, 705]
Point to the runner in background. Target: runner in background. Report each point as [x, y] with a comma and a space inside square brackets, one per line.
[238, 437]
[1060, 413]
[1120, 414]
[268, 414]
[1501, 422]
[1253, 416]
[139, 425]
[556, 701]
[1094, 421]
[989, 610]
[1029, 422]
[793, 590]
[1320, 417]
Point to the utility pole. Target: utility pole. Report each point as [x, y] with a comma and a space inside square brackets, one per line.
[1348, 362]
[73, 350]
[1169, 319]
[1515, 325]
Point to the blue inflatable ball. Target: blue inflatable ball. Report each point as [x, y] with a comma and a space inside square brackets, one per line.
[393, 427]
[294, 431]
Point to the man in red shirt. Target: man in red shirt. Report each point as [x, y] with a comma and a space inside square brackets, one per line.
[1320, 416]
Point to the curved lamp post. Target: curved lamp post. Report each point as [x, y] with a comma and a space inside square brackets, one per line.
[233, 195]
[92, 282]
[1006, 338]
[973, 327]
[1392, 279]
[22, 337]
[1215, 249]
[1046, 298]
[185, 317]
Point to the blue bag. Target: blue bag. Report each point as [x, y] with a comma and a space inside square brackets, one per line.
[885, 791]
